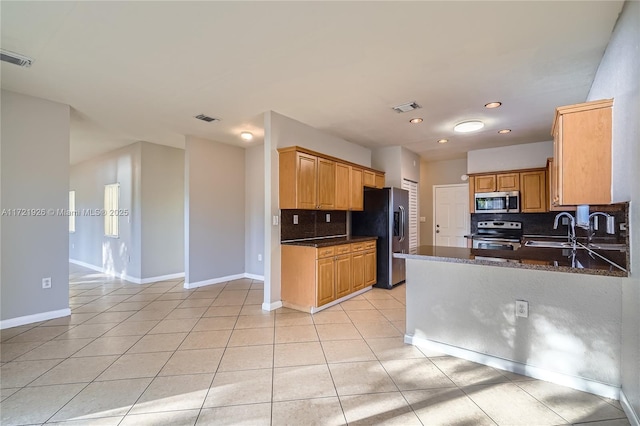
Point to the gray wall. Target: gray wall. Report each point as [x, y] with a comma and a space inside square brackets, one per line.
[398, 163]
[573, 326]
[446, 172]
[254, 210]
[34, 174]
[281, 131]
[617, 78]
[120, 256]
[162, 184]
[214, 210]
[522, 156]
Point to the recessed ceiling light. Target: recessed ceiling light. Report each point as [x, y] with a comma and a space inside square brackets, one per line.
[503, 131]
[468, 126]
[415, 120]
[443, 141]
[246, 136]
[493, 105]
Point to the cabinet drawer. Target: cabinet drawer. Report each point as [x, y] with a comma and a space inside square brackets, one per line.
[357, 246]
[325, 252]
[369, 245]
[342, 249]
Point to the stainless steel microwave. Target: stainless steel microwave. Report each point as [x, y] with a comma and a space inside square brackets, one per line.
[497, 202]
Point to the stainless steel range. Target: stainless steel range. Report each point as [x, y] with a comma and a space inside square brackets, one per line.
[498, 235]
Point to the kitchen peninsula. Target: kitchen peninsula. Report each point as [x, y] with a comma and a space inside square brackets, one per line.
[463, 304]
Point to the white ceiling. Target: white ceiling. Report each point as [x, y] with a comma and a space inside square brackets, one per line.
[141, 70]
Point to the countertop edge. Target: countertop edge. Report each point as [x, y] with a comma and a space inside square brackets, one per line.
[330, 242]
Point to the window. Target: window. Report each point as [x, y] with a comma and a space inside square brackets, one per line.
[72, 211]
[412, 187]
[111, 196]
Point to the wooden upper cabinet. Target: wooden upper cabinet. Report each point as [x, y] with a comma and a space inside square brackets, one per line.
[485, 183]
[379, 180]
[298, 180]
[343, 186]
[369, 178]
[508, 182]
[326, 184]
[551, 190]
[533, 194]
[356, 189]
[582, 154]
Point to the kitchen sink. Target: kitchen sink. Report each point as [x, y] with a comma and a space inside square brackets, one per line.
[547, 244]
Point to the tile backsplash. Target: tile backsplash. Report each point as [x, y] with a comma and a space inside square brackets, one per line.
[312, 224]
[542, 223]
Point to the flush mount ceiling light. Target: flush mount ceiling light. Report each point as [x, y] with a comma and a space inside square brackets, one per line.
[246, 136]
[415, 120]
[468, 126]
[493, 105]
[503, 131]
[443, 141]
[406, 107]
[15, 58]
[206, 118]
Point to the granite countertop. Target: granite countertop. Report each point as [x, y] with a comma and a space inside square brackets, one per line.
[546, 259]
[326, 242]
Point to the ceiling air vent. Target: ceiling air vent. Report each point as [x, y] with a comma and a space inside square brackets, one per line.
[15, 58]
[206, 118]
[406, 107]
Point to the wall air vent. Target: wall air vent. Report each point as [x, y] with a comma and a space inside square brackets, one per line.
[206, 118]
[406, 107]
[15, 58]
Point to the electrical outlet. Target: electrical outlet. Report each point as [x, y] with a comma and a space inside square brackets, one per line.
[260, 258]
[276, 220]
[328, 218]
[423, 219]
[522, 309]
[623, 226]
[46, 282]
[295, 219]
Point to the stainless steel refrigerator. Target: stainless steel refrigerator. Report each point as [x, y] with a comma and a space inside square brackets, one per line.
[385, 215]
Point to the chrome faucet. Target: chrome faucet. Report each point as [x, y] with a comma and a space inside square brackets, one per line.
[571, 231]
[611, 224]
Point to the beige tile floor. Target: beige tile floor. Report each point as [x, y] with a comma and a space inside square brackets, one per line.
[158, 354]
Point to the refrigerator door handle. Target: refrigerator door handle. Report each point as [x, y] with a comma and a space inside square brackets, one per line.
[402, 222]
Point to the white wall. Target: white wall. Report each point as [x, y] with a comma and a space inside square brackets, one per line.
[214, 211]
[119, 256]
[34, 174]
[254, 210]
[445, 172]
[280, 132]
[398, 163]
[523, 156]
[162, 191]
[573, 326]
[617, 78]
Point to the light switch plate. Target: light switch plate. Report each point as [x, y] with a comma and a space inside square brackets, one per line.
[423, 219]
[276, 220]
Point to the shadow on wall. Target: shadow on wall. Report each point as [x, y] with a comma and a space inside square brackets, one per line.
[108, 262]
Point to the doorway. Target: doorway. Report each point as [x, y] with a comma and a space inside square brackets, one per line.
[450, 215]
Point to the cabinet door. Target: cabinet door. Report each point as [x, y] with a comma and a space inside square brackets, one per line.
[357, 270]
[343, 275]
[306, 181]
[342, 186]
[369, 178]
[379, 180]
[370, 273]
[472, 194]
[356, 192]
[325, 281]
[326, 184]
[508, 182]
[485, 183]
[534, 193]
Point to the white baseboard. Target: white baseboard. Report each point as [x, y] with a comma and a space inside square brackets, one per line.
[272, 306]
[29, 319]
[254, 276]
[633, 417]
[129, 278]
[213, 281]
[313, 309]
[579, 383]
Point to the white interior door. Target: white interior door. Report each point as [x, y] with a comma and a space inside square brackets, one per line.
[450, 215]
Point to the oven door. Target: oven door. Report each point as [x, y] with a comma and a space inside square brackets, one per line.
[495, 244]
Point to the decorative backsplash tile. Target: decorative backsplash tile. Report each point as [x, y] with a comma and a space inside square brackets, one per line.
[312, 224]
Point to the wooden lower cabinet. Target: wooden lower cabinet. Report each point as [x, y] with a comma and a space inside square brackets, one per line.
[312, 277]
